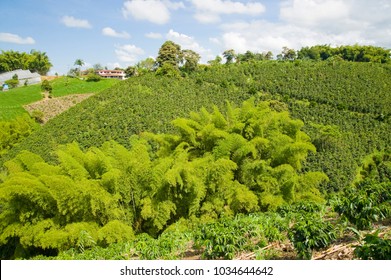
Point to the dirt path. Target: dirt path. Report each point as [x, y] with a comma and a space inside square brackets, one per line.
[52, 107]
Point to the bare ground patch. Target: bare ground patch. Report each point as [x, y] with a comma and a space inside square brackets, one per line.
[51, 107]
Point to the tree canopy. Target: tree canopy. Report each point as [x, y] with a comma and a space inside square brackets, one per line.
[35, 61]
[243, 160]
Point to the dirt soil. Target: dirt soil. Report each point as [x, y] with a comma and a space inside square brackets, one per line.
[52, 107]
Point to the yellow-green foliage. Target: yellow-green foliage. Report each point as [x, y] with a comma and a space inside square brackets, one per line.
[55, 207]
[12, 132]
[247, 158]
[243, 160]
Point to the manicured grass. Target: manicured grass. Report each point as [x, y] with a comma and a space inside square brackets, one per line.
[65, 86]
[12, 101]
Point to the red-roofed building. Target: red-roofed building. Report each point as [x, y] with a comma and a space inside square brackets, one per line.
[111, 74]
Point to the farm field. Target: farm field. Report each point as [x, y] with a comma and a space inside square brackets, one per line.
[257, 160]
[12, 101]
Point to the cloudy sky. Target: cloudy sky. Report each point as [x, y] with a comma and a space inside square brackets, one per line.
[123, 32]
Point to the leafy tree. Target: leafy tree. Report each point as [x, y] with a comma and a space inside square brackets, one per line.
[39, 62]
[97, 66]
[215, 61]
[169, 53]
[350, 53]
[35, 61]
[146, 65]
[288, 54]
[229, 56]
[268, 55]
[131, 71]
[191, 59]
[13, 60]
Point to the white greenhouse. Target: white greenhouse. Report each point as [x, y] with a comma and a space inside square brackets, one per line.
[25, 77]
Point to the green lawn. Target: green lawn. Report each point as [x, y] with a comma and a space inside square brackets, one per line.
[11, 101]
[65, 86]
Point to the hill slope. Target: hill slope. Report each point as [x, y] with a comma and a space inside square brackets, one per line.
[346, 108]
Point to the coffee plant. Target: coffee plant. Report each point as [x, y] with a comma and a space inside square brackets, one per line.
[374, 248]
[310, 232]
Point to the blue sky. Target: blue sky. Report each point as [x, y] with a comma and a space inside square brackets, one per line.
[123, 32]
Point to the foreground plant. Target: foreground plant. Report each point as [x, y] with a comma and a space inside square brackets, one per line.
[245, 160]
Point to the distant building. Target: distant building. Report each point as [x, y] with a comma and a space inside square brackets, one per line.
[5, 87]
[111, 74]
[25, 77]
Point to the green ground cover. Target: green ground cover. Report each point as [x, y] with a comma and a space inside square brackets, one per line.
[12, 101]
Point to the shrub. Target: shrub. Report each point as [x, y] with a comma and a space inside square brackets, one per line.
[92, 77]
[46, 86]
[374, 248]
[228, 236]
[310, 232]
[365, 203]
[12, 83]
[38, 116]
[12, 132]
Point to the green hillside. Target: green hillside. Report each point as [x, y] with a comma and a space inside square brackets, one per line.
[222, 160]
[354, 99]
[12, 101]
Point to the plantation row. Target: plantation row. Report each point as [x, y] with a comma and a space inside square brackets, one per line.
[345, 108]
[217, 166]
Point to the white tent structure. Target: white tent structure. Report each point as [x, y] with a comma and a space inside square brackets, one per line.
[25, 77]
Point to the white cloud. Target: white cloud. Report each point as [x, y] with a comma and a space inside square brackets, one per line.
[113, 65]
[188, 42]
[209, 11]
[261, 36]
[16, 39]
[312, 22]
[70, 21]
[314, 12]
[185, 41]
[108, 31]
[128, 53]
[153, 35]
[151, 10]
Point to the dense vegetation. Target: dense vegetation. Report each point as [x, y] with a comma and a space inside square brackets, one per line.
[12, 132]
[226, 157]
[345, 107]
[35, 61]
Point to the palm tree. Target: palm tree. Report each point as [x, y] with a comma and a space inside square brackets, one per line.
[79, 62]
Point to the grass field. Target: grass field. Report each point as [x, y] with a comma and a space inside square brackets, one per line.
[65, 86]
[12, 101]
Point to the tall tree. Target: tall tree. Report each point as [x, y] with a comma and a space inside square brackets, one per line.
[215, 61]
[146, 65]
[39, 62]
[79, 62]
[169, 53]
[229, 56]
[191, 60]
[288, 54]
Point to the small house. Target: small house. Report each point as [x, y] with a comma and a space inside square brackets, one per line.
[111, 74]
